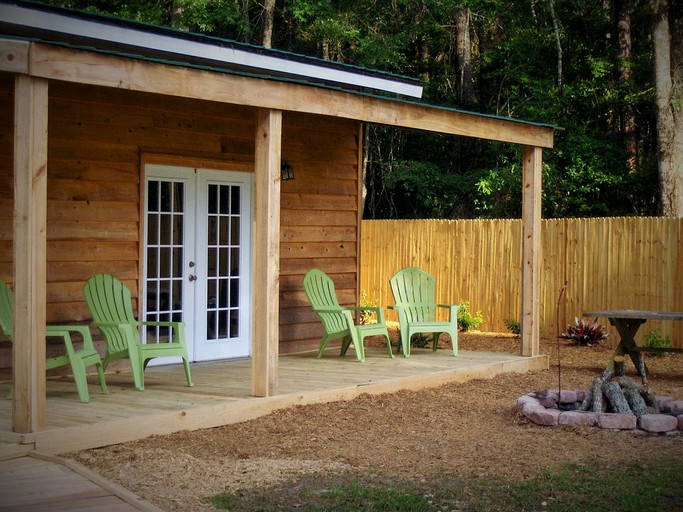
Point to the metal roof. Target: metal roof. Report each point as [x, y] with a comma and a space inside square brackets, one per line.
[54, 24]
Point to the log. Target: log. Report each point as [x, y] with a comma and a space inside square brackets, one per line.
[635, 401]
[616, 398]
[618, 362]
[587, 402]
[596, 393]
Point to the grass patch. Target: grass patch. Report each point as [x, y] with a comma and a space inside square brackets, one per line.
[652, 485]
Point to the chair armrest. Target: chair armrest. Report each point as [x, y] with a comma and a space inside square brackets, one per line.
[64, 332]
[328, 310]
[177, 327]
[453, 313]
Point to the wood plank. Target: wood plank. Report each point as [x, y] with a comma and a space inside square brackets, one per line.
[71, 65]
[79, 190]
[266, 257]
[298, 233]
[14, 56]
[319, 202]
[91, 230]
[68, 250]
[30, 214]
[318, 250]
[101, 211]
[531, 249]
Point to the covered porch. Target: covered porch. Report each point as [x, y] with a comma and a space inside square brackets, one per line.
[222, 394]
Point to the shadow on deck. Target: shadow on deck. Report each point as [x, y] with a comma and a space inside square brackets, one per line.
[221, 394]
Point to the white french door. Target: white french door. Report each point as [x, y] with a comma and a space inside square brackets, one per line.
[197, 257]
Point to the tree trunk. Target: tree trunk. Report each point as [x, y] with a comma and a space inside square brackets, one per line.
[464, 55]
[670, 181]
[267, 23]
[628, 123]
[558, 44]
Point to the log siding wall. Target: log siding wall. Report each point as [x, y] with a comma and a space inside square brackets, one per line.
[98, 138]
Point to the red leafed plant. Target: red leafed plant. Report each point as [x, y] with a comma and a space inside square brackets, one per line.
[588, 332]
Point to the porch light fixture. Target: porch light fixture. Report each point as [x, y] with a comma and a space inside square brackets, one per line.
[286, 171]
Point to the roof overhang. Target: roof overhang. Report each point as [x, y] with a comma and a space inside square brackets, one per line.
[101, 69]
[80, 28]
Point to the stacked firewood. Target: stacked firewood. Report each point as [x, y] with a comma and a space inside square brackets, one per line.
[615, 392]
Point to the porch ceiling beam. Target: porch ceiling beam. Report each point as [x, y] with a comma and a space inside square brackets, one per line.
[30, 214]
[266, 255]
[14, 56]
[93, 68]
[531, 249]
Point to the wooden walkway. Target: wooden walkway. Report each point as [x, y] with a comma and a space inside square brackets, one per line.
[37, 483]
[221, 394]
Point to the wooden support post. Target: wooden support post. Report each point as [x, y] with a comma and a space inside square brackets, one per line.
[531, 249]
[266, 262]
[30, 213]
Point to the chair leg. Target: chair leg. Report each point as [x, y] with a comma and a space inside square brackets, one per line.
[80, 376]
[435, 341]
[137, 365]
[323, 344]
[454, 341]
[391, 353]
[346, 343]
[100, 378]
[358, 345]
[186, 364]
[405, 343]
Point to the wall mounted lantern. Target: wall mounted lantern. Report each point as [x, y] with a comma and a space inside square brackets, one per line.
[286, 171]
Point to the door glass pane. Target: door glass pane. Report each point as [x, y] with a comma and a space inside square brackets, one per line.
[165, 252]
[224, 252]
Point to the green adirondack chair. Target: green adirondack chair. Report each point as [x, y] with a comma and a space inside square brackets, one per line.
[78, 359]
[338, 320]
[110, 305]
[413, 291]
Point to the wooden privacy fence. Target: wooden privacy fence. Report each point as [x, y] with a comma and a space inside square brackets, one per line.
[608, 263]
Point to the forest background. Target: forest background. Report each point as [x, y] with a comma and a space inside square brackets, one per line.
[608, 74]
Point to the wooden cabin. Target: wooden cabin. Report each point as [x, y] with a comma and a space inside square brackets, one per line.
[156, 156]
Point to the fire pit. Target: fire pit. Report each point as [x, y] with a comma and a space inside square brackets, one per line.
[613, 401]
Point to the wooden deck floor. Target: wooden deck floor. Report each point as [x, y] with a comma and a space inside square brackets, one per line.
[221, 394]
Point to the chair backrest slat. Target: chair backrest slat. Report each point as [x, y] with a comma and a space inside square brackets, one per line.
[413, 289]
[320, 291]
[109, 301]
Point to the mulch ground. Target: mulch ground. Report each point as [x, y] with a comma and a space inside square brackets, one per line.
[468, 429]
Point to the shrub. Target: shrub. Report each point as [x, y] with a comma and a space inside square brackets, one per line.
[653, 339]
[366, 314]
[420, 340]
[513, 326]
[585, 332]
[466, 320]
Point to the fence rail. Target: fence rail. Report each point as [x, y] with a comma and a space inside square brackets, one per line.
[607, 263]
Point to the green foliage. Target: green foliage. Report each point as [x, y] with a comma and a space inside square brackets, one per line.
[367, 315]
[653, 339]
[466, 320]
[513, 326]
[420, 340]
[589, 485]
[224, 501]
[585, 332]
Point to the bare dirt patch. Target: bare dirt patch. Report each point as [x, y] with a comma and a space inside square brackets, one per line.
[465, 429]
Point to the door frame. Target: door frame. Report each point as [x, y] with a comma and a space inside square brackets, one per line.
[211, 166]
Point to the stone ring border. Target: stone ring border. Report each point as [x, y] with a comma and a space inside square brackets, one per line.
[670, 418]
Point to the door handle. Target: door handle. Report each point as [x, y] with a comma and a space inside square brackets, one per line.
[192, 277]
